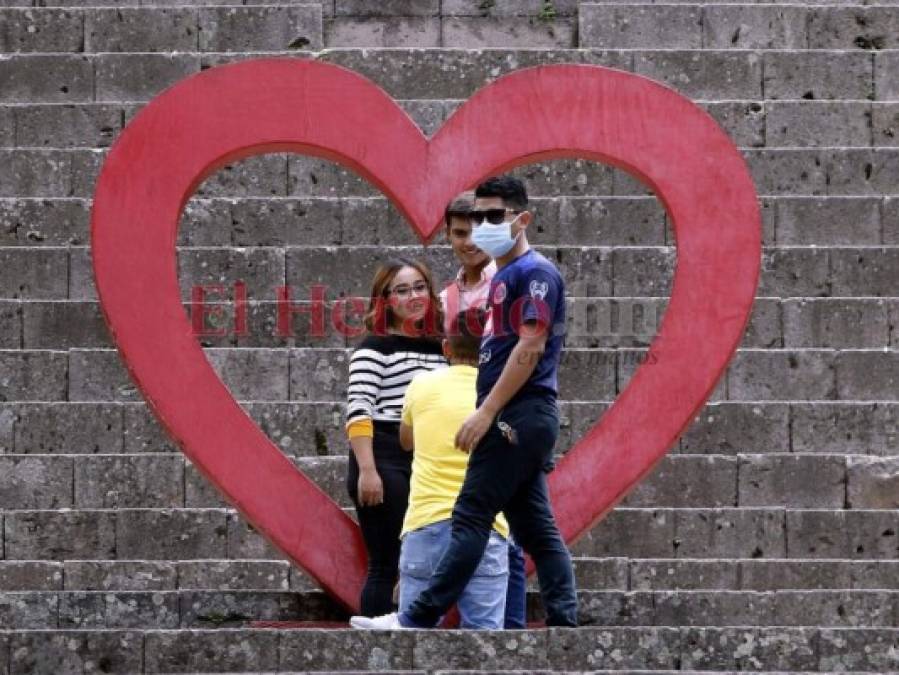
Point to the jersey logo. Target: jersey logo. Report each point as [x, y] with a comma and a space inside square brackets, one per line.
[499, 293]
[538, 289]
[484, 357]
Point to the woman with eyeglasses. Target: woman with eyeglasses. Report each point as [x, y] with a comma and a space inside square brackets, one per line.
[403, 323]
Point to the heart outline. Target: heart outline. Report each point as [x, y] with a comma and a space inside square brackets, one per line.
[231, 112]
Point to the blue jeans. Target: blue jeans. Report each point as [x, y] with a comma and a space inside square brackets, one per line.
[483, 602]
[506, 472]
[517, 591]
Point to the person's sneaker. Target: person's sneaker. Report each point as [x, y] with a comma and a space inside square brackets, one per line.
[386, 622]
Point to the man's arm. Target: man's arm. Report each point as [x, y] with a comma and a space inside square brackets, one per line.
[406, 442]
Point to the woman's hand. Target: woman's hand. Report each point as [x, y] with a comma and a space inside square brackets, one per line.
[371, 489]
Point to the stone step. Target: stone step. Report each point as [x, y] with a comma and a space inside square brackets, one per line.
[217, 609]
[592, 574]
[219, 533]
[724, 428]
[612, 649]
[167, 480]
[730, 26]
[849, 74]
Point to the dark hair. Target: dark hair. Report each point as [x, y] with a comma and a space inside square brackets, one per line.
[380, 316]
[509, 188]
[460, 206]
[465, 333]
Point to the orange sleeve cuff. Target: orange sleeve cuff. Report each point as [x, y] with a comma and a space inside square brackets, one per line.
[360, 427]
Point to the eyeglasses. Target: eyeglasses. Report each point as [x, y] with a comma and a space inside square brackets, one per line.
[404, 291]
[492, 216]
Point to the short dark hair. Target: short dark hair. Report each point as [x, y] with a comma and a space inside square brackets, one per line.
[509, 188]
[460, 206]
[465, 333]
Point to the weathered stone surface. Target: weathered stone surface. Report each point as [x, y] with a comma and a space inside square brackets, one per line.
[614, 221]
[387, 8]
[244, 543]
[718, 75]
[47, 30]
[688, 482]
[765, 329]
[154, 29]
[850, 428]
[252, 374]
[262, 270]
[46, 79]
[139, 77]
[756, 375]
[787, 171]
[60, 535]
[142, 481]
[58, 126]
[168, 534]
[646, 26]
[832, 221]
[743, 121]
[862, 172]
[613, 535]
[383, 32]
[207, 222]
[270, 28]
[643, 271]
[118, 610]
[818, 123]
[774, 575]
[843, 650]
[753, 27]
[842, 534]
[205, 609]
[508, 7]
[71, 428]
[318, 374]
[11, 324]
[76, 651]
[587, 375]
[795, 481]
[302, 429]
[654, 575]
[32, 376]
[143, 432]
[818, 75]
[346, 650]
[748, 648]
[234, 575]
[886, 76]
[729, 428]
[873, 482]
[479, 649]
[885, 124]
[35, 173]
[874, 574]
[837, 323]
[853, 27]
[63, 325]
[729, 533]
[45, 222]
[795, 272]
[867, 375]
[614, 648]
[120, 575]
[35, 482]
[860, 272]
[99, 375]
[210, 650]
[30, 575]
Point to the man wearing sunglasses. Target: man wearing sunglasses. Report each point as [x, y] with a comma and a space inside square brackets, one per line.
[512, 432]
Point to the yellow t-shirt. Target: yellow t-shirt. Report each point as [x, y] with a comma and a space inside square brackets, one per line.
[435, 406]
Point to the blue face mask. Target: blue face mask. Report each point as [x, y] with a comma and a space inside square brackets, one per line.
[494, 240]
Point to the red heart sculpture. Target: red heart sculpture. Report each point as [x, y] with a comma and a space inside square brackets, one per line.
[225, 114]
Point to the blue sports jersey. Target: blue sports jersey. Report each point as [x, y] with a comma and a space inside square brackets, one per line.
[529, 288]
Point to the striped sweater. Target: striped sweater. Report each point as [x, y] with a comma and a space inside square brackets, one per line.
[381, 368]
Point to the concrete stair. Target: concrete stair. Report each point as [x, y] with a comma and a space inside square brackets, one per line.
[766, 540]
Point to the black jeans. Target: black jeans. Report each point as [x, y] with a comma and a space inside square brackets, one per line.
[506, 472]
[381, 524]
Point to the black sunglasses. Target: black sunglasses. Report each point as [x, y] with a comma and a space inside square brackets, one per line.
[492, 216]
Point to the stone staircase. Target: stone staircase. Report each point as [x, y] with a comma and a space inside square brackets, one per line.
[766, 540]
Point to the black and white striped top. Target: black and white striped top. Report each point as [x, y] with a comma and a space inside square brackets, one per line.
[381, 368]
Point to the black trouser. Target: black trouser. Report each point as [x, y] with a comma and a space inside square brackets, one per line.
[381, 524]
[506, 472]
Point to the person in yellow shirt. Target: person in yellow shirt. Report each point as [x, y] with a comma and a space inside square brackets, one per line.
[435, 406]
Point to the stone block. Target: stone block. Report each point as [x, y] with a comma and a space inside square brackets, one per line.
[7, 126]
[465, 650]
[206, 222]
[614, 648]
[170, 534]
[63, 325]
[154, 29]
[234, 575]
[7, 427]
[269, 28]
[587, 375]
[252, 374]
[873, 482]
[686, 575]
[833, 608]
[11, 324]
[818, 123]
[28, 610]
[257, 176]
[836, 323]
[867, 375]
[312, 649]
[874, 574]
[643, 271]
[885, 124]
[792, 74]
[886, 76]
[687, 482]
[610, 26]
[318, 374]
[60, 126]
[729, 533]
[210, 650]
[730, 428]
[872, 649]
[35, 482]
[99, 375]
[120, 575]
[831, 221]
[234, 609]
[35, 173]
[45, 222]
[567, 177]
[848, 428]
[74, 651]
[785, 171]
[716, 608]
[70, 428]
[753, 27]
[862, 172]
[60, 535]
[376, 221]
[508, 7]
[599, 574]
[86, 165]
[508, 32]
[46, 79]
[864, 271]
[33, 376]
[383, 32]
[199, 492]
[743, 121]
[429, 116]
[140, 77]
[314, 177]
[30, 575]
[261, 270]
[765, 328]
[853, 28]
[41, 30]
[143, 432]
[312, 222]
[118, 610]
[793, 481]
[112, 482]
[795, 272]
[387, 8]
[782, 376]
[245, 543]
[301, 429]
[588, 221]
[726, 648]
[714, 76]
[607, 322]
[613, 536]
[777, 575]
[842, 534]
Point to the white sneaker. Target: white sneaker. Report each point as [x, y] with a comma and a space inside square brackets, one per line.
[386, 622]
